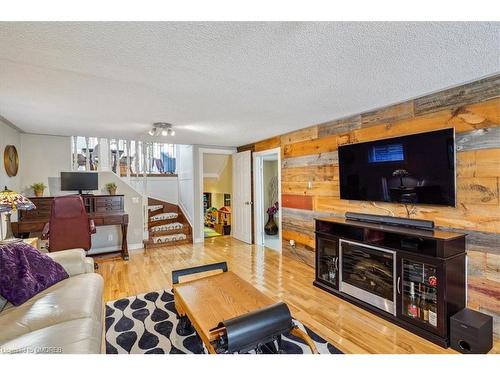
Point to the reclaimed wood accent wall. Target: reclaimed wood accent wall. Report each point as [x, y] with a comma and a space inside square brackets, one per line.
[310, 156]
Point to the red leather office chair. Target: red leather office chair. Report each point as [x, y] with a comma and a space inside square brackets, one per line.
[69, 226]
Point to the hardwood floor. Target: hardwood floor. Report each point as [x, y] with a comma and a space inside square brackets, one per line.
[348, 327]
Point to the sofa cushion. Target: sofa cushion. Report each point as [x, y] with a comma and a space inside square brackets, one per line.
[81, 336]
[25, 272]
[74, 298]
[3, 303]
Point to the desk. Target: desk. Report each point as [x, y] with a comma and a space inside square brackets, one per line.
[102, 209]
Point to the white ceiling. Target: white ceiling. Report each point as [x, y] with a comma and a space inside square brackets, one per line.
[226, 83]
[214, 164]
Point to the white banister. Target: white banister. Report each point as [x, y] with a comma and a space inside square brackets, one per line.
[87, 154]
[75, 154]
[129, 143]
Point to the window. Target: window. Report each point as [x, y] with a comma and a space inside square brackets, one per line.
[85, 152]
[122, 156]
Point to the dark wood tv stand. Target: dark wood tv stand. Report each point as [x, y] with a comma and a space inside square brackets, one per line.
[374, 266]
[102, 209]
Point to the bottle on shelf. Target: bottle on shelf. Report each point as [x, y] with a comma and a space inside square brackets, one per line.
[432, 313]
[418, 300]
[424, 306]
[412, 303]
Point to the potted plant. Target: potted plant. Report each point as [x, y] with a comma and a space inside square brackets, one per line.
[271, 228]
[38, 188]
[111, 187]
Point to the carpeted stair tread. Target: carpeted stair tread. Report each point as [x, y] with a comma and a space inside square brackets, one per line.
[169, 238]
[169, 226]
[164, 216]
[155, 207]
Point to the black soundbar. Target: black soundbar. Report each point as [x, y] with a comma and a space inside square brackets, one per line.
[391, 220]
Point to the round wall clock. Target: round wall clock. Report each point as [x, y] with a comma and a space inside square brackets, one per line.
[10, 160]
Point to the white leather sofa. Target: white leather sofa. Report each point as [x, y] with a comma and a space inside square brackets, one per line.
[65, 318]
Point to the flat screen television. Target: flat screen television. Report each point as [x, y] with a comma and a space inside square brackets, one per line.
[414, 169]
[71, 181]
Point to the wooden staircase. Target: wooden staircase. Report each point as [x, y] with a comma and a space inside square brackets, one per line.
[167, 225]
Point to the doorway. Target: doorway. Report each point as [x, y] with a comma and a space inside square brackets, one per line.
[267, 208]
[215, 193]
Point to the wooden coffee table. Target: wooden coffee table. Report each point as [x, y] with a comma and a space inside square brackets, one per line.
[212, 299]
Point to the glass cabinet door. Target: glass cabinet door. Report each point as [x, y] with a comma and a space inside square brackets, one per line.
[328, 260]
[419, 291]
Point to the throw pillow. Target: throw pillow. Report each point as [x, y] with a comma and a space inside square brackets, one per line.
[25, 272]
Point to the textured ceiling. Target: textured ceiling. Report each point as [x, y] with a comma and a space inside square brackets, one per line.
[226, 83]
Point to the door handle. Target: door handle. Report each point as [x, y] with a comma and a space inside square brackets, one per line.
[248, 203]
[399, 284]
[336, 263]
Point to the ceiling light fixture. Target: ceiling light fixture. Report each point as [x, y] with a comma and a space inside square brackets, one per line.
[161, 128]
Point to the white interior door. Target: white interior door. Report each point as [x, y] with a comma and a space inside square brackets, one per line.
[241, 225]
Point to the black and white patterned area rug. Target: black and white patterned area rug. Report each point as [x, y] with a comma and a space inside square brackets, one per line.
[148, 324]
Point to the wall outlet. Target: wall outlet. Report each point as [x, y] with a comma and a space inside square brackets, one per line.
[292, 243]
[110, 237]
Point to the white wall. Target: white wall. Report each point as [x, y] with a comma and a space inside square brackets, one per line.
[185, 173]
[43, 158]
[162, 188]
[9, 136]
[269, 171]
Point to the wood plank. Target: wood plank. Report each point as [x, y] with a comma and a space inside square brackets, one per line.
[296, 201]
[268, 144]
[298, 223]
[477, 240]
[316, 146]
[318, 188]
[249, 147]
[467, 216]
[313, 173]
[478, 190]
[483, 265]
[299, 238]
[298, 252]
[438, 120]
[339, 126]
[480, 163]
[481, 115]
[484, 294]
[388, 114]
[298, 214]
[306, 134]
[478, 139]
[309, 160]
[473, 92]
